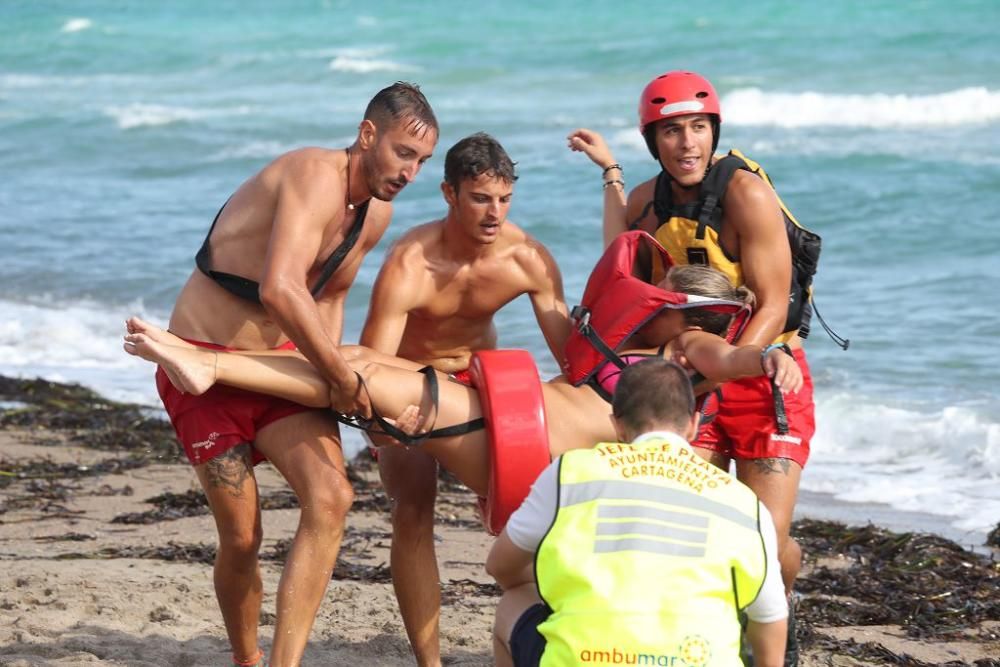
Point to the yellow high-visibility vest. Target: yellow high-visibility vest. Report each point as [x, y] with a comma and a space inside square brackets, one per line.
[652, 552]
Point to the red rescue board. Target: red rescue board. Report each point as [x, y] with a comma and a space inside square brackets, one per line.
[510, 393]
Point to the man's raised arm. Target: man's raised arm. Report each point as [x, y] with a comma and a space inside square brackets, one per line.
[592, 145]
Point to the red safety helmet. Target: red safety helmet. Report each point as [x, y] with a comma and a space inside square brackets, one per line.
[678, 93]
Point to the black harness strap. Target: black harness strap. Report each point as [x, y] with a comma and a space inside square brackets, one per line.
[713, 193]
[780, 414]
[634, 225]
[409, 439]
[334, 261]
[582, 315]
[249, 290]
[244, 288]
[842, 342]
[707, 209]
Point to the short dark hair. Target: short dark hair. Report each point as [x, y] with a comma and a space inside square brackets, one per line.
[474, 155]
[653, 394]
[402, 103]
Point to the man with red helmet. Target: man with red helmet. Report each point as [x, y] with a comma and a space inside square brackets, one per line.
[720, 211]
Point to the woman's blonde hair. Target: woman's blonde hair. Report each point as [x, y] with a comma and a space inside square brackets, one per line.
[705, 281]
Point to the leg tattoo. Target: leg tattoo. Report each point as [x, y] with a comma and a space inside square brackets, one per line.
[773, 465]
[230, 469]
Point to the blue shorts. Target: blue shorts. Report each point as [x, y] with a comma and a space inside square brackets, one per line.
[526, 643]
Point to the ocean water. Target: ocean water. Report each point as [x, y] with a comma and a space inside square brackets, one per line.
[124, 126]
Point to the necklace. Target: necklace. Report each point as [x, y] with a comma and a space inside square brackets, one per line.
[350, 206]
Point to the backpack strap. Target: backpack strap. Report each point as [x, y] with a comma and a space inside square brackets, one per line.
[662, 197]
[708, 209]
[713, 192]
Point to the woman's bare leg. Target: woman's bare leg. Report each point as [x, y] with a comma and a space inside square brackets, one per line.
[392, 390]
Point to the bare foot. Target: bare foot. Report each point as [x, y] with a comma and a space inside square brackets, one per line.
[136, 325]
[190, 370]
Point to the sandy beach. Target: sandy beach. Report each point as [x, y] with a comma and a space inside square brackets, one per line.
[106, 549]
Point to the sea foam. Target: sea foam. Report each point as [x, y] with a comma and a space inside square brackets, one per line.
[76, 25]
[344, 63]
[79, 342]
[933, 459]
[151, 115]
[753, 106]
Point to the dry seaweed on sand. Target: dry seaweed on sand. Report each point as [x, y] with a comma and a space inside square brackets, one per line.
[172, 506]
[171, 551]
[926, 584]
[66, 537]
[282, 499]
[457, 590]
[44, 468]
[90, 420]
[354, 548]
[168, 507]
[872, 653]
[42, 494]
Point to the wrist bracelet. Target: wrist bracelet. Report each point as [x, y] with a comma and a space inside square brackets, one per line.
[610, 167]
[616, 181]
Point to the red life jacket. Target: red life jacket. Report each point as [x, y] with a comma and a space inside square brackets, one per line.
[620, 298]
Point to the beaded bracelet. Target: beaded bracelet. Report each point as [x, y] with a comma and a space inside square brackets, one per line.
[616, 181]
[610, 167]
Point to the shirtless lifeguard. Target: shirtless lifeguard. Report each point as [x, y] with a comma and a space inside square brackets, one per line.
[273, 272]
[433, 303]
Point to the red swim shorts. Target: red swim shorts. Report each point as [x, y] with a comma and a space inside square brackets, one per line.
[462, 377]
[745, 427]
[222, 417]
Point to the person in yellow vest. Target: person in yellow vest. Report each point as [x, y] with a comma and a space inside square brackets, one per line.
[723, 212]
[639, 552]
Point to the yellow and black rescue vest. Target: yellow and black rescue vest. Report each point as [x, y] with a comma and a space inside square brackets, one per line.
[651, 554]
[690, 233]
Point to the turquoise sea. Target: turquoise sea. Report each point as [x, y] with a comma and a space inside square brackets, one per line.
[125, 125]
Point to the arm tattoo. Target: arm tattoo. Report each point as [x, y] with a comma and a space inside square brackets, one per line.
[230, 469]
[766, 466]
